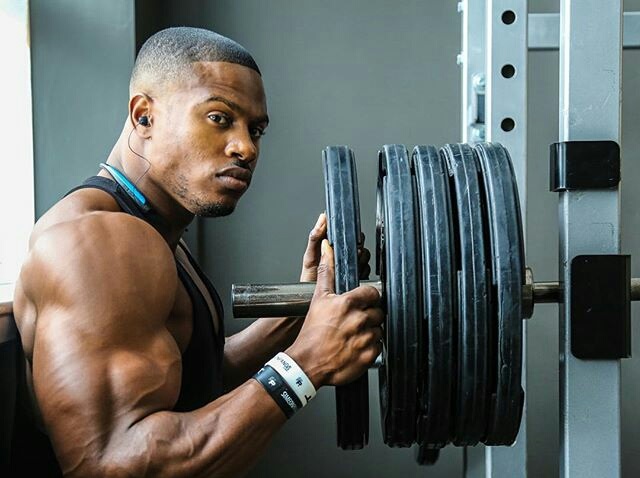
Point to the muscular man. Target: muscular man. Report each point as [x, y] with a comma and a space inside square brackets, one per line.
[127, 364]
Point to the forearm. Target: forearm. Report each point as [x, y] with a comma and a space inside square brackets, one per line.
[224, 438]
[246, 351]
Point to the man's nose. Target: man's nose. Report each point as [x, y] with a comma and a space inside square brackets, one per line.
[242, 147]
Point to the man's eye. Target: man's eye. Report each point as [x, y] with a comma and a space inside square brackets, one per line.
[219, 118]
[257, 132]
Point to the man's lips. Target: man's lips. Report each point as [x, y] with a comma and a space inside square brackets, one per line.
[235, 178]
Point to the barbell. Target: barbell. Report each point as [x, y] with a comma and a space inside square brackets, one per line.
[454, 286]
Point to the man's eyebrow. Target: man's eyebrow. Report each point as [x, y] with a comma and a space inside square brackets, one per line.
[262, 119]
[236, 107]
[222, 99]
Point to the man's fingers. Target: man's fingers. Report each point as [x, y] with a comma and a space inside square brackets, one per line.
[317, 234]
[363, 263]
[326, 274]
[319, 230]
[364, 272]
[375, 318]
[377, 333]
[364, 255]
[365, 296]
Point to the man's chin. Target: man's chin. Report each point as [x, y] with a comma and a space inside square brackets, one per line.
[215, 210]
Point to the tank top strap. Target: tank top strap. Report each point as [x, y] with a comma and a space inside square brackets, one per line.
[209, 294]
[113, 189]
[125, 203]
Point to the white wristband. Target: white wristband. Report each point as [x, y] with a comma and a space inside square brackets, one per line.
[294, 376]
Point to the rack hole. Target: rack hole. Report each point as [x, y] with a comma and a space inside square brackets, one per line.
[508, 71]
[508, 17]
[507, 124]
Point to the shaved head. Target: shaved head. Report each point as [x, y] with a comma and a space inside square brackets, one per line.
[202, 97]
[168, 55]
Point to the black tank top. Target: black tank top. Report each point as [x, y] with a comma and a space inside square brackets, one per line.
[32, 454]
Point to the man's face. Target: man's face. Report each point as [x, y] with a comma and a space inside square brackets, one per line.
[206, 136]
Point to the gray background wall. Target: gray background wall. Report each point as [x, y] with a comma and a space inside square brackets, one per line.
[362, 73]
[82, 55]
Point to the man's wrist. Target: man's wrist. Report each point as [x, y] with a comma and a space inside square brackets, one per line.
[279, 390]
[286, 383]
[294, 376]
[316, 373]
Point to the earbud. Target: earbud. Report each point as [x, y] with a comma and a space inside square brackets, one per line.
[143, 121]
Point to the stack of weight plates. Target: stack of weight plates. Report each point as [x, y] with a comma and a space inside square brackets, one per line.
[450, 256]
[451, 260]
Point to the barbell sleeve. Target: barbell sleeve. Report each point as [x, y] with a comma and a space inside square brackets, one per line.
[276, 300]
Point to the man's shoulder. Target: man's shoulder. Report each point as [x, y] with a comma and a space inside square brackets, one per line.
[100, 251]
[103, 230]
[73, 207]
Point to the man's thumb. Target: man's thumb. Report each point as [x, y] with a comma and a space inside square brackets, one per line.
[326, 275]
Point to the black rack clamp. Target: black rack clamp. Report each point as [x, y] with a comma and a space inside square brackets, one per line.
[600, 284]
[601, 306]
[584, 165]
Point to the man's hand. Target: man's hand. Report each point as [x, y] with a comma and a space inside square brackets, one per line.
[311, 257]
[246, 351]
[341, 335]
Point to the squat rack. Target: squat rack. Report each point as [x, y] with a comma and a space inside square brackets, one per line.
[496, 38]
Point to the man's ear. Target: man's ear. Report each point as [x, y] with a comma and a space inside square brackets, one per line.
[140, 107]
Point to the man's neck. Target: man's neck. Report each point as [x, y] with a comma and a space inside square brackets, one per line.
[175, 218]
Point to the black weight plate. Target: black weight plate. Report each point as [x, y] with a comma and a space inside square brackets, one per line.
[401, 275]
[470, 412]
[436, 256]
[343, 231]
[507, 277]
[426, 456]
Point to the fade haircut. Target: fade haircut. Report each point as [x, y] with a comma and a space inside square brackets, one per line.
[167, 55]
